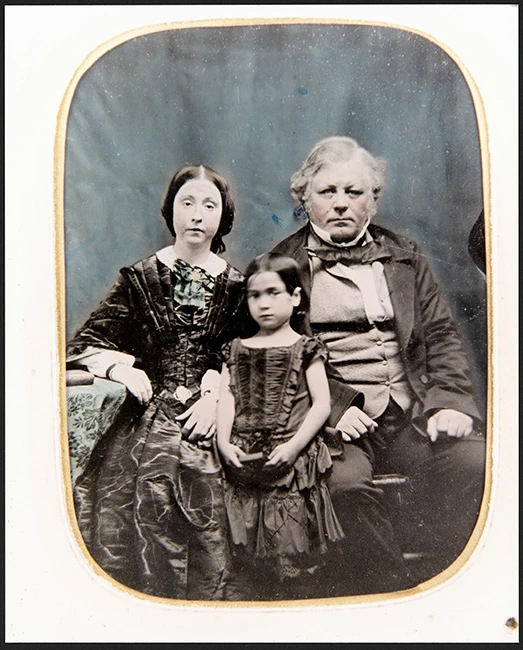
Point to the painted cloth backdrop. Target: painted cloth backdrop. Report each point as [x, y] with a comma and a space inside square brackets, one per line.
[251, 101]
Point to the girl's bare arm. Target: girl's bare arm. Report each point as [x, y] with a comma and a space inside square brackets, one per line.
[318, 386]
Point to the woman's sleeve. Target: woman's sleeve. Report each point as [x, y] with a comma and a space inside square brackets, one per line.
[111, 333]
[225, 352]
[98, 361]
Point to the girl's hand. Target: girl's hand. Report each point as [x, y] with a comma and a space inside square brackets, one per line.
[135, 380]
[200, 419]
[231, 454]
[283, 455]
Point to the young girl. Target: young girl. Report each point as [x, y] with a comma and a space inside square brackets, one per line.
[274, 399]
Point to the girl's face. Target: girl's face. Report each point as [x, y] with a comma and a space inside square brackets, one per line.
[270, 304]
[197, 212]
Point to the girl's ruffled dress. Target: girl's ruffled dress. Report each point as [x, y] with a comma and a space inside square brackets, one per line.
[280, 521]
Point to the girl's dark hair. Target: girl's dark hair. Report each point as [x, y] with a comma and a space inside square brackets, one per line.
[291, 276]
[189, 173]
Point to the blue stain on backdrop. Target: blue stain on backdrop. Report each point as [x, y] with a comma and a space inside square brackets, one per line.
[251, 101]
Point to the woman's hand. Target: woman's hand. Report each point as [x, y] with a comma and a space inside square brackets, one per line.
[135, 380]
[354, 423]
[200, 419]
[231, 454]
[283, 455]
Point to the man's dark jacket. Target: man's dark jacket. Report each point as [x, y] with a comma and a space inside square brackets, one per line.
[433, 356]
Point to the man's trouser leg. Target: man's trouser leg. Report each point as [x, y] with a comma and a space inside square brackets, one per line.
[446, 483]
[369, 560]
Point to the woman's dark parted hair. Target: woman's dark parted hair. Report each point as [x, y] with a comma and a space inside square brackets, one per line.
[189, 173]
[291, 276]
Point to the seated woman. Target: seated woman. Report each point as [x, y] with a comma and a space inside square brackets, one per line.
[150, 504]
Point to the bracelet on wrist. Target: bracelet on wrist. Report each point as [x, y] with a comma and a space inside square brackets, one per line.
[109, 369]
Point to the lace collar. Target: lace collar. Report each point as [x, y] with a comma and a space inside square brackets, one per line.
[214, 265]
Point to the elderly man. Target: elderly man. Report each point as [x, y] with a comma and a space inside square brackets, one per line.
[391, 336]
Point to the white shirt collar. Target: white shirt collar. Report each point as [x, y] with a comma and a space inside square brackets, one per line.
[214, 265]
[325, 236]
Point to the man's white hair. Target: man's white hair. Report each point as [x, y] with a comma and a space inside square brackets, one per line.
[334, 150]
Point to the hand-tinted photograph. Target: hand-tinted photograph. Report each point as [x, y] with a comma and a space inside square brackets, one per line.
[275, 311]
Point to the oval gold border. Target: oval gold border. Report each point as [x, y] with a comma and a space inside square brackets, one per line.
[58, 175]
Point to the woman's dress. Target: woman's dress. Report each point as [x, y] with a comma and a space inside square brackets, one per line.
[286, 516]
[150, 504]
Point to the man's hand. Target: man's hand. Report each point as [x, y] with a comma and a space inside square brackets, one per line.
[200, 419]
[449, 422]
[135, 380]
[354, 423]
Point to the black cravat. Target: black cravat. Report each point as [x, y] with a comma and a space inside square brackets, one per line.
[371, 252]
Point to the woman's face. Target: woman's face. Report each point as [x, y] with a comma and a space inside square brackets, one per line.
[197, 212]
[339, 198]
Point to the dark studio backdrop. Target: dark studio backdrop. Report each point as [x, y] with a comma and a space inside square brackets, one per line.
[251, 101]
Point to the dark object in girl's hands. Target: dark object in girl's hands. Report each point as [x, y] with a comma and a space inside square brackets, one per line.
[254, 471]
[250, 458]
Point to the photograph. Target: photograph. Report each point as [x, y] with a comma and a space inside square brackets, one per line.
[260, 322]
[306, 203]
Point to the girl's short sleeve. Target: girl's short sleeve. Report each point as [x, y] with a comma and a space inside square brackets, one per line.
[314, 349]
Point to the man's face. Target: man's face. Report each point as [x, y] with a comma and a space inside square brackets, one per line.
[338, 199]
